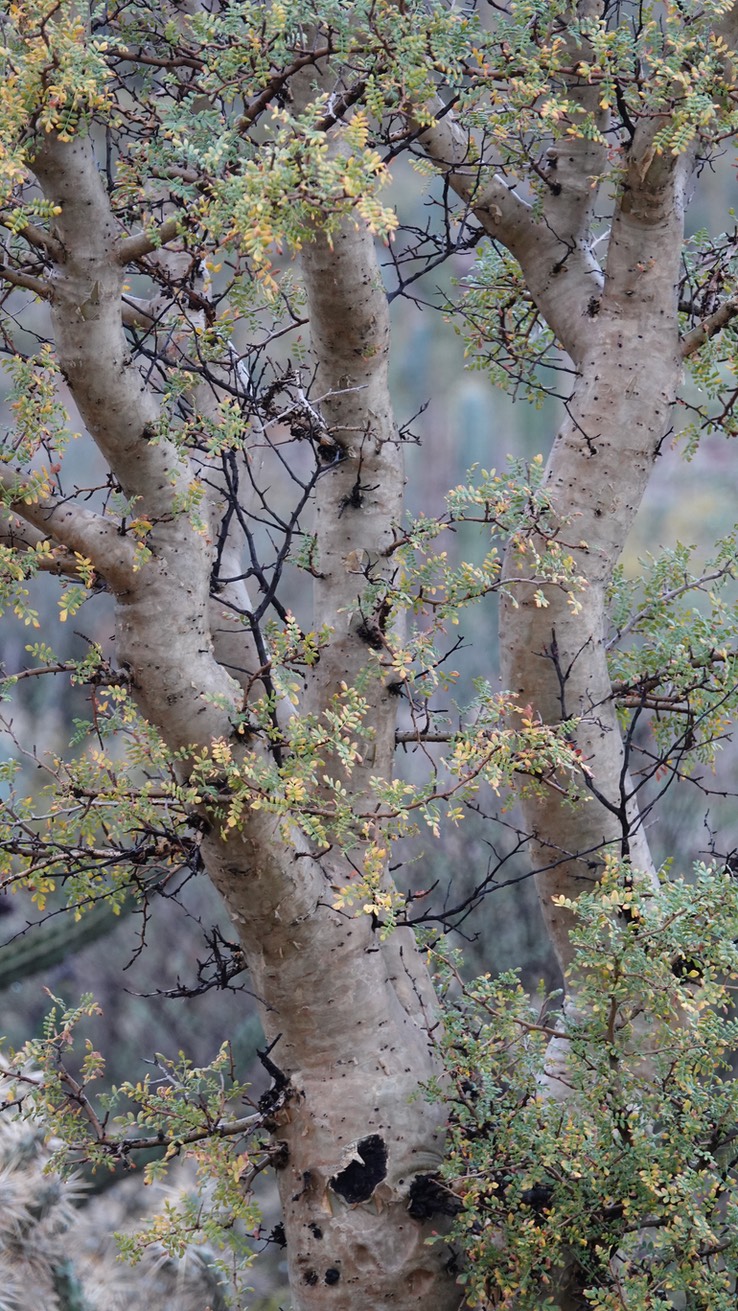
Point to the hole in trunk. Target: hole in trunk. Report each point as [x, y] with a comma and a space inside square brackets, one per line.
[357, 1182]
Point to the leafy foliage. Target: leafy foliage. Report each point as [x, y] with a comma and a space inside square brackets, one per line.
[628, 1169]
[673, 649]
[178, 1112]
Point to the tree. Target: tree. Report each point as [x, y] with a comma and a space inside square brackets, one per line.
[165, 173]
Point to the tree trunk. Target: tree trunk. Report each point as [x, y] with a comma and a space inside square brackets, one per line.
[353, 1014]
[619, 414]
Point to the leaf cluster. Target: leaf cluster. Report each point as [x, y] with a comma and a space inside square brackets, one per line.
[605, 1159]
[673, 650]
[176, 1112]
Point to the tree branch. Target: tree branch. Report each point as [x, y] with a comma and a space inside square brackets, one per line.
[143, 243]
[596, 475]
[162, 625]
[136, 314]
[18, 279]
[693, 340]
[35, 236]
[73, 527]
[561, 271]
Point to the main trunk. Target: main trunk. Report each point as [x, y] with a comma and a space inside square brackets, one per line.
[358, 1137]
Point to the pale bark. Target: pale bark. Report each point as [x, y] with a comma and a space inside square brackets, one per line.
[358, 499]
[364, 1008]
[610, 323]
[353, 1013]
[622, 334]
[617, 418]
[561, 272]
[61, 523]
[163, 631]
[355, 1057]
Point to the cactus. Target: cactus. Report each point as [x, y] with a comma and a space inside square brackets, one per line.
[60, 1255]
[51, 943]
[37, 1211]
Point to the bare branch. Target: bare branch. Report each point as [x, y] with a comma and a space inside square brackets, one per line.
[18, 279]
[693, 340]
[143, 243]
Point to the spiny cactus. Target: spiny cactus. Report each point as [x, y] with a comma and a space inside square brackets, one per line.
[61, 1255]
[56, 940]
[37, 1210]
